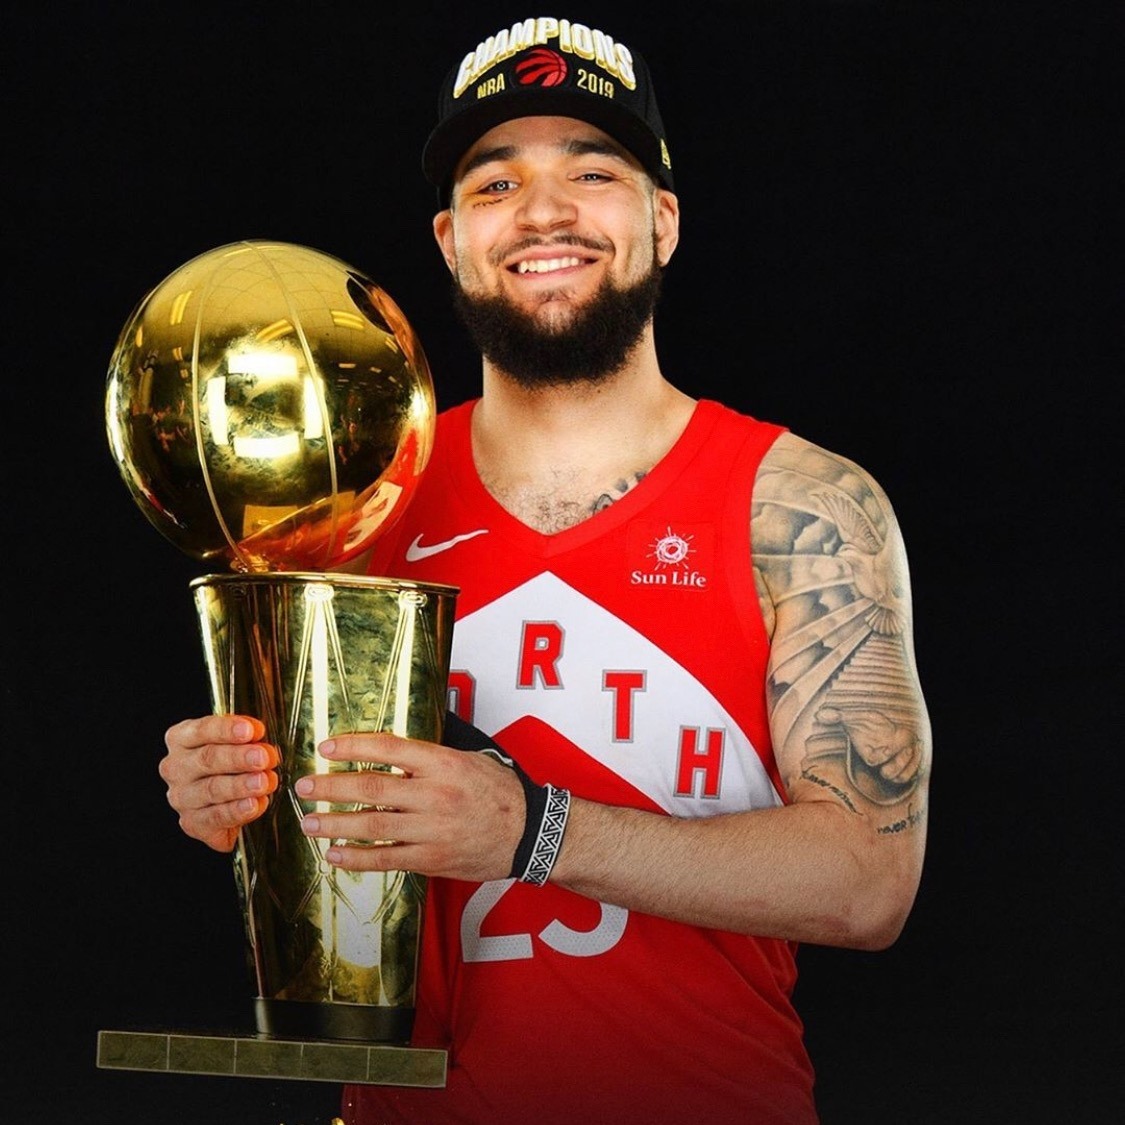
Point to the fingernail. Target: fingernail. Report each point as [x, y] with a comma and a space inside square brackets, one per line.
[242, 729]
[247, 805]
[304, 786]
[310, 825]
[333, 855]
[257, 758]
[254, 782]
[327, 749]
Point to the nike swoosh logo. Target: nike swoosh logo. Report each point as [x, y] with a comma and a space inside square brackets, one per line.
[416, 552]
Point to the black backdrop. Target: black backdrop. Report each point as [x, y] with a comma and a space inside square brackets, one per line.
[895, 231]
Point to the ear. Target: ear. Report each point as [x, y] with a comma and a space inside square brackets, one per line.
[666, 223]
[443, 232]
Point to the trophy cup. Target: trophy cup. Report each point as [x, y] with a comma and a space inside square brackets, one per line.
[270, 408]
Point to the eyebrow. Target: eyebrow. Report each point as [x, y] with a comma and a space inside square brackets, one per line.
[575, 147]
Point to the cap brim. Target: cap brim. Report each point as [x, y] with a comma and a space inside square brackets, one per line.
[456, 134]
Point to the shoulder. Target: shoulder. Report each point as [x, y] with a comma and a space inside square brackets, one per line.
[795, 455]
[813, 483]
[823, 532]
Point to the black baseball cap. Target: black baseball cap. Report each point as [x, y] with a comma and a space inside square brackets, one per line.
[546, 68]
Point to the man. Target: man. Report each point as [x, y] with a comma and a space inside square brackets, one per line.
[689, 627]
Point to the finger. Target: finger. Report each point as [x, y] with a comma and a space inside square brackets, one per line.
[355, 787]
[410, 755]
[218, 825]
[381, 857]
[225, 789]
[369, 826]
[207, 729]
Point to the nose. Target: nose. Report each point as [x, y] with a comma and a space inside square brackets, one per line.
[546, 204]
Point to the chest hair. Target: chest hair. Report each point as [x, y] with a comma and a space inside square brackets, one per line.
[564, 501]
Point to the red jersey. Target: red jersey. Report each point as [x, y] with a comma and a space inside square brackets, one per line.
[624, 659]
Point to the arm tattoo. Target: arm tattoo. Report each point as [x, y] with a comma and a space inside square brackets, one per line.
[842, 689]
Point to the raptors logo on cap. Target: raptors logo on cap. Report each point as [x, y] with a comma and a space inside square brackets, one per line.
[541, 67]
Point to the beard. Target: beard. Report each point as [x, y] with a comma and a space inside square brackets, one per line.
[593, 344]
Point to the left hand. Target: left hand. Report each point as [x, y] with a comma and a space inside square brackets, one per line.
[449, 813]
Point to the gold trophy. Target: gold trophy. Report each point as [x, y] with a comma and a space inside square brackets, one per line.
[270, 408]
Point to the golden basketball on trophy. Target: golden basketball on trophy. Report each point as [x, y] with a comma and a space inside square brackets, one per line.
[271, 411]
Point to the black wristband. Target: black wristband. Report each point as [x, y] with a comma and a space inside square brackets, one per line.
[458, 734]
[535, 797]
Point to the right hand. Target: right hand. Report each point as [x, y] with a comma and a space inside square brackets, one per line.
[219, 775]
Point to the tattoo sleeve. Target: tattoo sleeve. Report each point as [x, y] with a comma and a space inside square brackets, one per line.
[846, 709]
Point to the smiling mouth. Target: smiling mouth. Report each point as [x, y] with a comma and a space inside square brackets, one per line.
[546, 265]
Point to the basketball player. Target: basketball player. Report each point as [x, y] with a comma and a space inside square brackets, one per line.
[690, 628]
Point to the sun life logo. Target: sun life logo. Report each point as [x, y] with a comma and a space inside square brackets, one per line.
[674, 559]
[671, 550]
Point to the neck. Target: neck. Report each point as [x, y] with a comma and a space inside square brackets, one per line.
[554, 456]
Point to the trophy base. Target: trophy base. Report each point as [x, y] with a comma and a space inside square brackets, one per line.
[302, 1019]
[247, 1056]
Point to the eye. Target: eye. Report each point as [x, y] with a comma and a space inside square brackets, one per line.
[497, 186]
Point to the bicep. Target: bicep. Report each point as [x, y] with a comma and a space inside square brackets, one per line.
[847, 715]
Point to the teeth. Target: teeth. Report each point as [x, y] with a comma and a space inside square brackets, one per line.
[548, 265]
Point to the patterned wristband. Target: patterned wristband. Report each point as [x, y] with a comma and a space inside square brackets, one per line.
[547, 810]
[549, 839]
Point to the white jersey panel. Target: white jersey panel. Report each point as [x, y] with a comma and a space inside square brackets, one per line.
[491, 643]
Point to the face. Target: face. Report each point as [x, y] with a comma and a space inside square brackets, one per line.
[556, 238]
